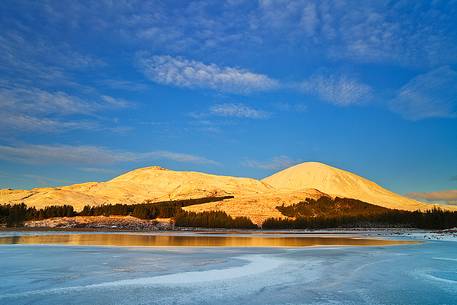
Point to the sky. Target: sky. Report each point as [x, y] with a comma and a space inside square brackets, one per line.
[91, 89]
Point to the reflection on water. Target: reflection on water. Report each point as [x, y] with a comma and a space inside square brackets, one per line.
[133, 240]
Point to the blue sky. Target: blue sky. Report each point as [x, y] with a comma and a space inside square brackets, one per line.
[94, 88]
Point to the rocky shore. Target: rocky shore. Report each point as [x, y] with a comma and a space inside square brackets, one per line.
[128, 223]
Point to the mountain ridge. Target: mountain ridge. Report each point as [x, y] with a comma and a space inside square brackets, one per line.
[256, 199]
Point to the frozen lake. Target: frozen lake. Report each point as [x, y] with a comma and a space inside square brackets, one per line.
[423, 273]
[213, 239]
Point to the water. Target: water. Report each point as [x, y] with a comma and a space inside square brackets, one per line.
[196, 240]
[423, 273]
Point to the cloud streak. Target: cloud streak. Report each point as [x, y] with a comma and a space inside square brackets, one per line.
[86, 154]
[339, 90]
[448, 196]
[25, 123]
[180, 72]
[33, 59]
[22, 99]
[276, 163]
[429, 95]
[405, 33]
[32, 109]
[238, 111]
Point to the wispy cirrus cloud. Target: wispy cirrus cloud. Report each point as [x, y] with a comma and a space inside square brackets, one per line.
[238, 111]
[32, 124]
[32, 109]
[404, 32]
[429, 95]
[337, 89]
[107, 101]
[44, 181]
[176, 71]
[209, 121]
[32, 59]
[26, 99]
[39, 91]
[180, 72]
[98, 170]
[125, 85]
[400, 32]
[276, 163]
[179, 157]
[87, 154]
[448, 196]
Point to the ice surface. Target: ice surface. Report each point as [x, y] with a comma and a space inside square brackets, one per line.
[408, 274]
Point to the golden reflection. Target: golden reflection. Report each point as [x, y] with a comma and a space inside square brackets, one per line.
[134, 240]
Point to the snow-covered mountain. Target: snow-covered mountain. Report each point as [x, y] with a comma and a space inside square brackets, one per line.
[256, 199]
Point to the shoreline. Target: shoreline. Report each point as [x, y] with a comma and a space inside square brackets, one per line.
[203, 229]
[391, 233]
[201, 240]
[362, 233]
[392, 230]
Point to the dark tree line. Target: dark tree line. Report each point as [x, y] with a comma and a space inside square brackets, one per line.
[364, 215]
[326, 206]
[50, 212]
[322, 213]
[147, 210]
[15, 215]
[212, 219]
[143, 211]
[12, 215]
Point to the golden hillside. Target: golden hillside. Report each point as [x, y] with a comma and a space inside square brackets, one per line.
[253, 198]
[338, 182]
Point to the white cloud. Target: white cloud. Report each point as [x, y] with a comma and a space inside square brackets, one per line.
[309, 19]
[408, 33]
[34, 100]
[401, 32]
[180, 72]
[276, 163]
[339, 90]
[44, 181]
[21, 122]
[448, 196]
[238, 110]
[86, 154]
[429, 95]
[112, 102]
[178, 157]
[33, 109]
[98, 170]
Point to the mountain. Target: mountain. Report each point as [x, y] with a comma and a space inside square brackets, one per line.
[150, 183]
[253, 198]
[341, 183]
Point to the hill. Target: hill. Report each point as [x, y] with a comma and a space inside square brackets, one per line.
[150, 183]
[341, 183]
[255, 199]
[252, 198]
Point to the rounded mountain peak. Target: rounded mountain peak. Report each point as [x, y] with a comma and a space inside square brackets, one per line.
[156, 167]
[337, 182]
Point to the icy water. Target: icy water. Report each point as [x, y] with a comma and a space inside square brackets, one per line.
[424, 273]
[195, 240]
